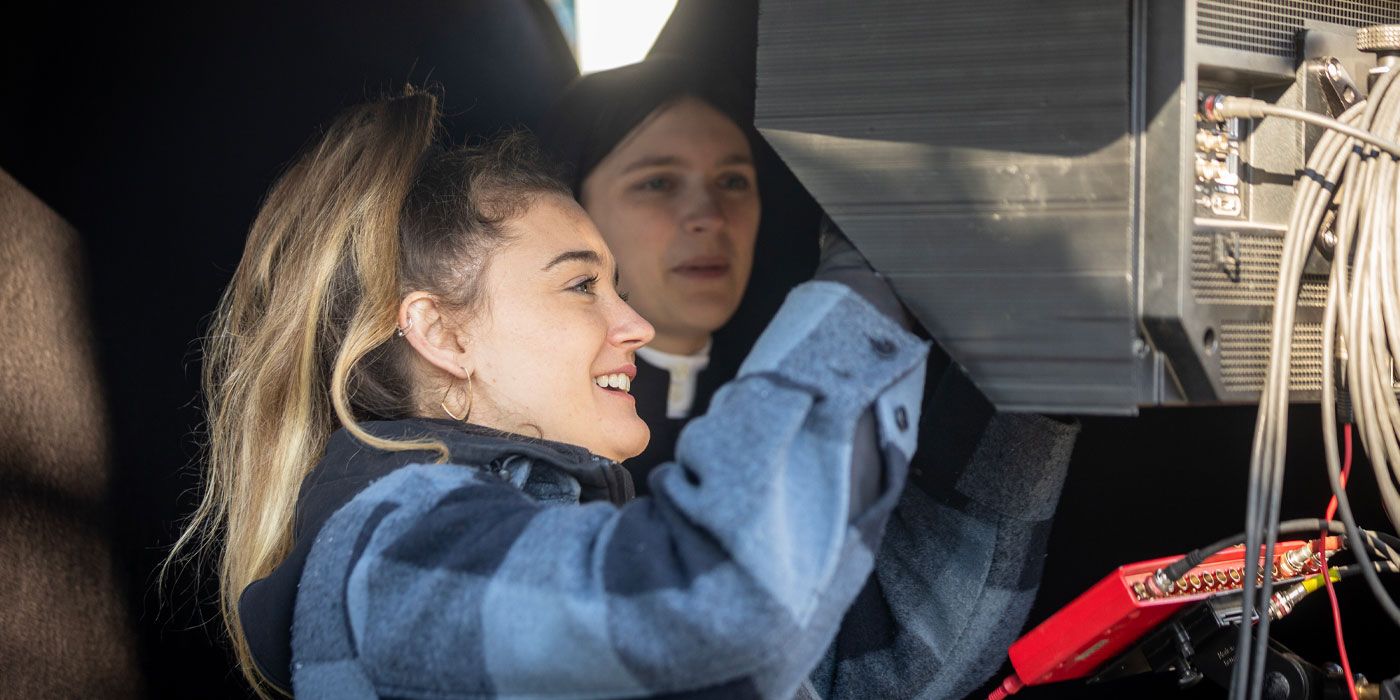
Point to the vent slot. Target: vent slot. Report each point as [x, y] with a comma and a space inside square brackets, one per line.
[1270, 26]
[1244, 357]
[1252, 281]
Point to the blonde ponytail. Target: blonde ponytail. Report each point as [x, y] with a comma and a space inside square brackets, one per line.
[317, 290]
[302, 342]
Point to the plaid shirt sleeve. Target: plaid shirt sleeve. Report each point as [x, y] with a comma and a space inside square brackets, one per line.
[730, 581]
[961, 559]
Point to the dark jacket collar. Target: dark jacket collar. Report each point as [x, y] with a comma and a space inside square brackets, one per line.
[476, 446]
[349, 466]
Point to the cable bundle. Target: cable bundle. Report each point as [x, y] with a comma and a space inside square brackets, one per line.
[1352, 181]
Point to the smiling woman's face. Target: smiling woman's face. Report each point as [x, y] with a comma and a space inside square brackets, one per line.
[678, 202]
[553, 326]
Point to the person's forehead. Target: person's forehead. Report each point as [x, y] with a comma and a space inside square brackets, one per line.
[685, 132]
[554, 225]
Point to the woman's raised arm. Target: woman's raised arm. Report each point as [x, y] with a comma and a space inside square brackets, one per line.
[445, 580]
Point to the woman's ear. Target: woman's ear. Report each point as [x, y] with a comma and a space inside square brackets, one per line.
[425, 325]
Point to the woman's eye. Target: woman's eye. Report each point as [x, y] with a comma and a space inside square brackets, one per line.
[585, 286]
[735, 182]
[656, 184]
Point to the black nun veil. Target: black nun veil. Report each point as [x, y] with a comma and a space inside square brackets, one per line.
[596, 112]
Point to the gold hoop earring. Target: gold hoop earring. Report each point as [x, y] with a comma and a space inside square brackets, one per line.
[465, 414]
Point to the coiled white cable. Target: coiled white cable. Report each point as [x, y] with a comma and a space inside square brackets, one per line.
[1354, 168]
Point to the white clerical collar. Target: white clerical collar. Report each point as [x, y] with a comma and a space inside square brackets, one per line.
[684, 371]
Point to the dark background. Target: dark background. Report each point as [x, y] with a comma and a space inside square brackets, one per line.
[156, 129]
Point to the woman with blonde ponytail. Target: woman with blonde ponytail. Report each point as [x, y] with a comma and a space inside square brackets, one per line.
[418, 402]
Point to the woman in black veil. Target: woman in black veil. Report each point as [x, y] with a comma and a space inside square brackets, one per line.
[660, 154]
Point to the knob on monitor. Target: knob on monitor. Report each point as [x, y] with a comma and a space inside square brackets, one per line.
[1379, 38]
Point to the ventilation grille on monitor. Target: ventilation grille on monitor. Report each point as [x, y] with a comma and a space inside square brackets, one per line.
[1242, 268]
[1270, 26]
[1244, 356]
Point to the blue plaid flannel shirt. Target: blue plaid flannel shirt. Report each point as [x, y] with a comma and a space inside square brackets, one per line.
[449, 581]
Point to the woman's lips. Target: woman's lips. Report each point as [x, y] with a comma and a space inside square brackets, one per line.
[626, 396]
[617, 382]
[702, 268]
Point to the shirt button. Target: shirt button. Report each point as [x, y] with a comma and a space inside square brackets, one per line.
[883, 347]
[901, 418]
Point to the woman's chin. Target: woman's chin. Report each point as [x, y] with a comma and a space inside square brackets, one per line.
[625, 441]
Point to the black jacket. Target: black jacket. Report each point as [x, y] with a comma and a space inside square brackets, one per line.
[650, 389]
[348, 467]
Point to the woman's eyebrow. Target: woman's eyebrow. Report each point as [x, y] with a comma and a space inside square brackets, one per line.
[651, 162]
[580, 255]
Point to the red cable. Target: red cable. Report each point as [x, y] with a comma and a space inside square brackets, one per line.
[1009, 686]
[1346, 470]
[1326, 575]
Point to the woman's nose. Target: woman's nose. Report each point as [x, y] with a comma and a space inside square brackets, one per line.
[629, 330]
[702, 213]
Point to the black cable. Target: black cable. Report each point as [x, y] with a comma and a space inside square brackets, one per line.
[1300, 526]
[1352, 570]
[1334, 476]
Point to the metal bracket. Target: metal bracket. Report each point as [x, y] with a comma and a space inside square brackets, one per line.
[1341, 91]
